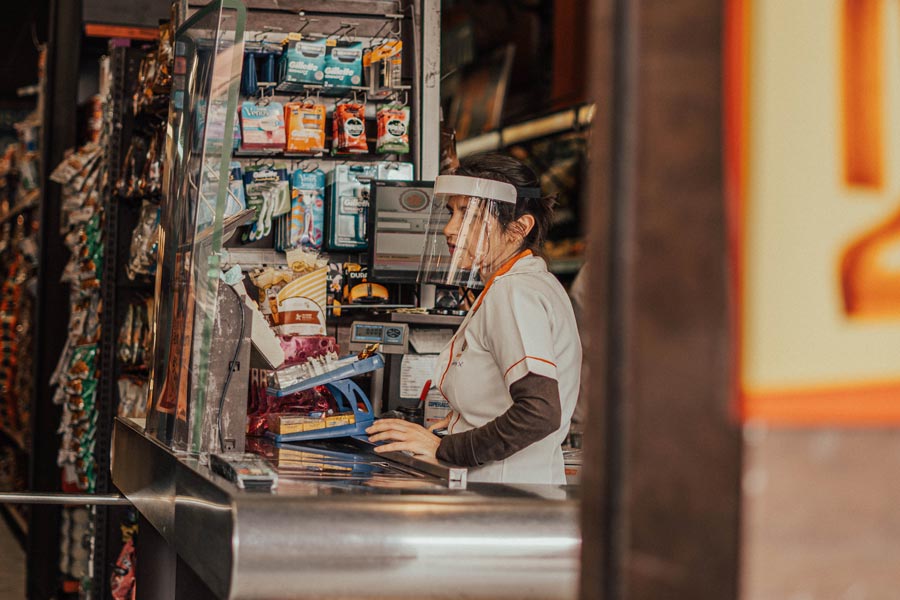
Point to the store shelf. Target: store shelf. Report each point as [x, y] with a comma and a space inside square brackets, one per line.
[340, 158]
[253, 257]
[426, 319]
[344, 307]
[570, 119]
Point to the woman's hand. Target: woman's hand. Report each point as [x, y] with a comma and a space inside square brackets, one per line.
[404, 436]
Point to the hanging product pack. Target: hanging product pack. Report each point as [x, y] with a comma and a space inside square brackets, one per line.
[307, 208]
[305, 123]
[393, 129]
[262, 125]
[349, 129]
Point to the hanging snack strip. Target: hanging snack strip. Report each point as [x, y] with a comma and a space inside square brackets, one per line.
[83, 175]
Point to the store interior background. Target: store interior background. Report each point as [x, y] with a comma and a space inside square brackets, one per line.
[731, 178]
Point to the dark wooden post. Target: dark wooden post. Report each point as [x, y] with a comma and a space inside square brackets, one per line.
[663, 467]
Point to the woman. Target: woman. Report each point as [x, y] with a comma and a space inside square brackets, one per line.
[511, 372]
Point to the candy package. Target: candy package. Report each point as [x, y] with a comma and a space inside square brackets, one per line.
[144, 241]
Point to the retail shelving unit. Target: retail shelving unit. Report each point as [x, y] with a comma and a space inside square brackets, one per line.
[121, 215]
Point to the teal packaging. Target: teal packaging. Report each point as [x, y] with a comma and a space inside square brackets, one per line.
[302, 63]
[348, 206]
[307, 209]
[343, 65]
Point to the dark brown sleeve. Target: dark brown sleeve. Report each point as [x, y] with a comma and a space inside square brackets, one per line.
[534, 415]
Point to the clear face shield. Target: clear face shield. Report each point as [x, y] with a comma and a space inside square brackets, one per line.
[465, 241]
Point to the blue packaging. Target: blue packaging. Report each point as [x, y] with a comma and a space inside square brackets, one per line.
[307, 209]
[302, 63]
[343, 65]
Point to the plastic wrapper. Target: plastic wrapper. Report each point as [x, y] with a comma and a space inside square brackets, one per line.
[133, 395]
[75, 163]
[268, 194]
[383, 66]
[349, 129]
[307, 221]
[305, 125]
[262, 125]
[122, 581]
[393, 130]
[302, 63]
[343, 65]
[298, 349]
[144, 243]
[262, 404]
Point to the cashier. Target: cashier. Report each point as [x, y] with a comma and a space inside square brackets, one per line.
[511, 372]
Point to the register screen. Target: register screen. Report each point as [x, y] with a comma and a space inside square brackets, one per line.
[399, 227]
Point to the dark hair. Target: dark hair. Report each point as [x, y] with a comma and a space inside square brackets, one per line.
[509, 170]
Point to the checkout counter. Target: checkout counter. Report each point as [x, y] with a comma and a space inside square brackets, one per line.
[342, 522]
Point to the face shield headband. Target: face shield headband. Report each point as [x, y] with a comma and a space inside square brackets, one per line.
[465, 240]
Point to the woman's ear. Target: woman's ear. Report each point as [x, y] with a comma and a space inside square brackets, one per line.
[522, 226]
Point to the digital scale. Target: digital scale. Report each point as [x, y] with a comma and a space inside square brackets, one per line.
[392, 338]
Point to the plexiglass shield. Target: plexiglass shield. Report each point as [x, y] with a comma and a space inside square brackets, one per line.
[465, 239]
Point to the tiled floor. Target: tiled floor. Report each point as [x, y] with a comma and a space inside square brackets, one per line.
[12, 566]
[821, 514]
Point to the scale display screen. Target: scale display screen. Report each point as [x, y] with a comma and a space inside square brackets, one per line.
[368, 333]
[388, 334]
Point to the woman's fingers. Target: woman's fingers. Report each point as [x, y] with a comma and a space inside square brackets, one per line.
[440, 424]
[389, 424]
[391, 434]
[399, 447]
[403, 435]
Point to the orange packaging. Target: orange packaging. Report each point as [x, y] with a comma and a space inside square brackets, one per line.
[349, 126]
[305, 125]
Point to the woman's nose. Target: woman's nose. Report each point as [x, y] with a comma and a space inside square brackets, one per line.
[451, 228]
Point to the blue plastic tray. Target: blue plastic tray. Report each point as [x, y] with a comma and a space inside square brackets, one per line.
[359, 367]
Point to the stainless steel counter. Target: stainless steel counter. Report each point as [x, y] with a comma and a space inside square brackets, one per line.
[345, 523]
